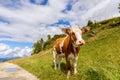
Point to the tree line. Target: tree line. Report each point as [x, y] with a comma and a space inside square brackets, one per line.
[41, 45]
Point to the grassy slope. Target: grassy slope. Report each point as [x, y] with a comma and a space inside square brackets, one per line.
[99, 59]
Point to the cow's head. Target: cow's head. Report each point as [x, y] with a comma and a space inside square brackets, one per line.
[75, 34]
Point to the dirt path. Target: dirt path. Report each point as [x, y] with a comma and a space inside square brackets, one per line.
[9, 71]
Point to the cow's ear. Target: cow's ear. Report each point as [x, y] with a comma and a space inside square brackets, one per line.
[85, 29]
[66, 30]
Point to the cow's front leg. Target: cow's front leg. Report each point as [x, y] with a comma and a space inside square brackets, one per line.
[75, 64]
[68, 67]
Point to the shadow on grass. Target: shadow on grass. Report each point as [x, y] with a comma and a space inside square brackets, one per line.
[63, 67]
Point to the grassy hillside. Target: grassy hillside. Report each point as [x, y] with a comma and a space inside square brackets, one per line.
[99, 58]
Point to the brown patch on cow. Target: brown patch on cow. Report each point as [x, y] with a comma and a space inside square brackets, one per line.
[73, 37]
[57, 44]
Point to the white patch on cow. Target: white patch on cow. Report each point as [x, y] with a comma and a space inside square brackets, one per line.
[78, 34]
[71, 56]
[79, 37]
[61, 45]
[68, 74]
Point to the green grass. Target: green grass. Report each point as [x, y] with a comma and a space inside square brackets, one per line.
[101, 55]
[99, 59]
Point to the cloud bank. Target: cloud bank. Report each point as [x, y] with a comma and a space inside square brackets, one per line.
[29, 20]
[7, 52]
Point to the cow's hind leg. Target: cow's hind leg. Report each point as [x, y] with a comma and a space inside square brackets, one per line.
[54, 59]
[59, 62]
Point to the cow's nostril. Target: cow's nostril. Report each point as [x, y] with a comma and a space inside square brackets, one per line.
[81, 42]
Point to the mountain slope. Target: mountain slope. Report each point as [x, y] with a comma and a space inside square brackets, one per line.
[99, 58]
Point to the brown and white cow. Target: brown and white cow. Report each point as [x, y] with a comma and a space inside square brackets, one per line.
[68, 47]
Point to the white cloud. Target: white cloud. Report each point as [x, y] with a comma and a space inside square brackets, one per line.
[3, 47]
[22, 52]
[6, 51]
[83, 11]
[29, 22]
[95, 9]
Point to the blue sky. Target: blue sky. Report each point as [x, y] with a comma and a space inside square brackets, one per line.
[23, 22]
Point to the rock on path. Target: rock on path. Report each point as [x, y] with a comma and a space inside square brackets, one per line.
[9, 71]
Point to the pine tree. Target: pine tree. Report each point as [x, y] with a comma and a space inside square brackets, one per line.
[119, 7]
[38, 46]
[49, 36]
[42, 43]
[89, 23]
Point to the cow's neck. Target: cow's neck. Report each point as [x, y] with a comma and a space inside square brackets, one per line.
[69, 44]
[71, 47]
